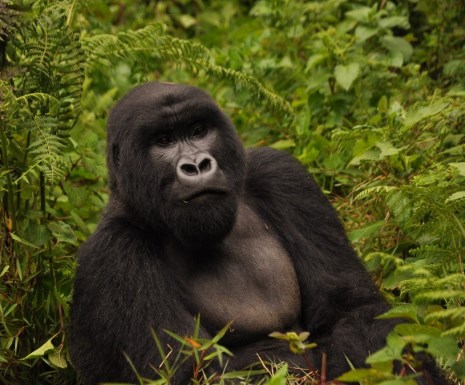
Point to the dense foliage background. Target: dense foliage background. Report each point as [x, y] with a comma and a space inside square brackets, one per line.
[368, 95]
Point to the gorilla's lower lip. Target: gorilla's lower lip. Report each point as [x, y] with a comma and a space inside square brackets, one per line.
[205, 193]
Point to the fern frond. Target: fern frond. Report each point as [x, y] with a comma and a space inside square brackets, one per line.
[458, 331]
[422, 278]
[440, 295]
[45, 105]
[46, 149]
[52, 55]
[432, 252]
[377, 190]
[103, 50]
[452, 280]
[446, 314]
[152, 43]
[38, 97]
[251, 84]
[8, 103]
[400, 204]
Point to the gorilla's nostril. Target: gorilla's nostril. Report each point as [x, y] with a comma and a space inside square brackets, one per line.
[189, 169]
[205, 165]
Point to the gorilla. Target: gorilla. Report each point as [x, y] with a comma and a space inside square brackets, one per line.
[197, 225]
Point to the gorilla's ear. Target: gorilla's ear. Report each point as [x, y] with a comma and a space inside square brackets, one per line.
[115, 154]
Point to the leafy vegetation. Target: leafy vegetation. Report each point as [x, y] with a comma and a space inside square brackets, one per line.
[368, 95]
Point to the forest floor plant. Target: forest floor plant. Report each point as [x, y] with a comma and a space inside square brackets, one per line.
[371, 102]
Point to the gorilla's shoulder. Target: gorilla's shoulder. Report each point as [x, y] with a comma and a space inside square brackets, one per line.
[118, 228]
[268, 167]
[260, 159]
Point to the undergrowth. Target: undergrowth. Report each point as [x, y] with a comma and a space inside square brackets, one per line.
[369, 96]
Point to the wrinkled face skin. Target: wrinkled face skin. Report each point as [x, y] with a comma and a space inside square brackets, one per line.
[175, 159]
[198, 177]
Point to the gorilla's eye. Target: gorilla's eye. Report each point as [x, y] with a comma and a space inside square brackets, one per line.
[199, 131]
[164, 140]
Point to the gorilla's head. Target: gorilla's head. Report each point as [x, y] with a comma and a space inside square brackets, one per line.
[175, 159]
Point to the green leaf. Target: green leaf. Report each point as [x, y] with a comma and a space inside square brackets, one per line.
[279, 336]
[398, 45]
[459, 166]
[221, 333]
[365, 231]
[57, 358]
[357, 375]
[37, 234]
[456, 196]
[284, 144]
[445, 347]
[396, 59]
[371, 154]
[360, 13]
[387, 149]
[280, 377]
[394, 21]
[10, 309]
[415, 116]
[363, 33]
[407, 310]
[314, 60]
[187, 21]
[63, 232]
[23, 241]
[387, 354]
[261, 8]
[82, 225]
[417, 330]
[42, 351]
[4, 270]
[346, 74]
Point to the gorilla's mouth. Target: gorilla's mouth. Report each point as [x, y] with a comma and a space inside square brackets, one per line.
[205, 194]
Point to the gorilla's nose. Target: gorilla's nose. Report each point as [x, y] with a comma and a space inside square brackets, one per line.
[197, 169]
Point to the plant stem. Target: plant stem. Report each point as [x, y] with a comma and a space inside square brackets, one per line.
[10, 197]
[42, 192]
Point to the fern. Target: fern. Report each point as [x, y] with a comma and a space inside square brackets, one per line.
[430, 291]
[399, 202]
[446, 314]
[458, 331]
[374, 191]
[440, 295]
[432, 251]
[46, 150]
[48, 103]
[152, 42]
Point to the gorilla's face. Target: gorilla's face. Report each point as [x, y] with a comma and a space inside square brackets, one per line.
[176, 160]
[197, 188]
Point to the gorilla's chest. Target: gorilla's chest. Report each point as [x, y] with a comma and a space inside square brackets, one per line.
[248, 280]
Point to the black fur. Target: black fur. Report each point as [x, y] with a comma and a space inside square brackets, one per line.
[145, 266]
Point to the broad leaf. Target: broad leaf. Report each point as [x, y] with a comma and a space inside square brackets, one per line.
[346, 74]
[459, 166]
[398, 44]
[418, 115]
[57, 358]
[40, 352]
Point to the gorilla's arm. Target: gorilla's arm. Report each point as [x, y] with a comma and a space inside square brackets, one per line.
[339, 300]
[122, 290]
